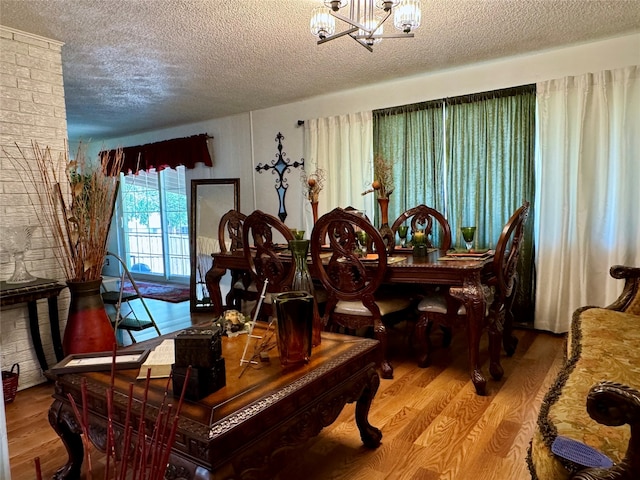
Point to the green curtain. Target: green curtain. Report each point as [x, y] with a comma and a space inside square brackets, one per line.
[410, 138]
[486, 174]
[490, 171]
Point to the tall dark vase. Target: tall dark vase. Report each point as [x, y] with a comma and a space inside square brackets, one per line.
[385, 230]
[88, 326]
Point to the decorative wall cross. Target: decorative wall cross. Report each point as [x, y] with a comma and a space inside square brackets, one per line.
[280, 166]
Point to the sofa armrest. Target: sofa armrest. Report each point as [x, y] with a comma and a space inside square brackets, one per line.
[615, 404]
[630, 296]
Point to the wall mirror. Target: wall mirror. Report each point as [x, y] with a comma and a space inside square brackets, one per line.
[210, 200]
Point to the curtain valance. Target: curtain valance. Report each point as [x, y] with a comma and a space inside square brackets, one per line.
[185, 151]
[408, 108]
[501, 93]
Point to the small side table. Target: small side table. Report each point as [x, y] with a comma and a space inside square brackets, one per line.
[30, 293]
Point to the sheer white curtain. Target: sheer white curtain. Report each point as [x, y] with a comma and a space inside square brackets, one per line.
[588, 182]
[343, 147]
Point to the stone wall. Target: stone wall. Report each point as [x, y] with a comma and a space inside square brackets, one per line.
[32, 108]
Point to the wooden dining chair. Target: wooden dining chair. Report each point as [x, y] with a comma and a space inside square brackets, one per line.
[505, 279]
[440, 308]
[438, 235]
[352, 283]
[263, 256]
[243, 288]
[432, 222]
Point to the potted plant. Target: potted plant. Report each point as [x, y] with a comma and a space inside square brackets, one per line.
[383, 186]
[74, 201]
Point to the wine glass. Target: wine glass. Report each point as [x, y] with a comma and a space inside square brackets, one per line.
[402, 232]
[467, 234]
[363, 239]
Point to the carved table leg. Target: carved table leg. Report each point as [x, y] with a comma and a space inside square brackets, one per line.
[472, 296]
[212, 279]
[370, 435]
[54, 321]
[65, 425]
[34, 328]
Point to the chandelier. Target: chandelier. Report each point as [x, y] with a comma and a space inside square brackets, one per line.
[365, 20]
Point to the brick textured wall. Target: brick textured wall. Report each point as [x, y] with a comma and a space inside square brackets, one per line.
[32, 108]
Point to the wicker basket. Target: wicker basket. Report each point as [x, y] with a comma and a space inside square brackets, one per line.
[10, 383]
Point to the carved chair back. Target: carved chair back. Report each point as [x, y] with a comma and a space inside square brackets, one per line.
[505, 261]
[230, 240]
[262, 254]
[345, 275]
[230, 227]
[431, 221]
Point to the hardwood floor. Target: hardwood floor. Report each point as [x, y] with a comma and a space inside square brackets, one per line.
[434, 425]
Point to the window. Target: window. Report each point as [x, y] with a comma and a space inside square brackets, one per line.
[471, 158]
[155, 229]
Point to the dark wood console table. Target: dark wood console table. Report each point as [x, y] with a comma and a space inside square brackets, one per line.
[30, 293]
[240, 431]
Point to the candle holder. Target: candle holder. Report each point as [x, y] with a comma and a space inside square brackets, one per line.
[419, 244]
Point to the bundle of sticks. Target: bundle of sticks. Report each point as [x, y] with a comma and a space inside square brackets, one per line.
[142, 456]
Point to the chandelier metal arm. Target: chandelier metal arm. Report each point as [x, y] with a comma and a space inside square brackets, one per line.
[341, 34]
[348, 20]
[362, 42]
[389, 35]
[358, 25]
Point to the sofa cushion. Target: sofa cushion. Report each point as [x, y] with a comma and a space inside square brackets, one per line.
[602, 346]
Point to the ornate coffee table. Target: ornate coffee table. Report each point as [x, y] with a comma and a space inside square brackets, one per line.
[241, 430]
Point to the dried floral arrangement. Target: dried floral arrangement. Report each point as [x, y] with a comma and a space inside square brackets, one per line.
[383, 178]
[314, 183]
[74, 199]
[147, 457]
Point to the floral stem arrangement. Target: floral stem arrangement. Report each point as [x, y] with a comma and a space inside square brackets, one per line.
[383, 178]
[314, 183]
[75, 200]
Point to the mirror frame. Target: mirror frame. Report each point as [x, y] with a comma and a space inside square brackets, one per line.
[195, 306]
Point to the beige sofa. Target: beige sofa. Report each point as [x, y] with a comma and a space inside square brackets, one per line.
[596, 393]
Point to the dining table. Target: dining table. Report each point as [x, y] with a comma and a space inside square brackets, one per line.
[463, 276]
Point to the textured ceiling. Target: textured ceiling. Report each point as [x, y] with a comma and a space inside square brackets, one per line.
[137, 65]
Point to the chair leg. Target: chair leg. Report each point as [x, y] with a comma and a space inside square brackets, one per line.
[380, 332]
[423, 330]
[509, 340]
[446, 336]
[495, 343]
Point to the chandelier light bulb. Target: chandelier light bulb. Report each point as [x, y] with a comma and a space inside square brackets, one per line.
[322, 23]
[370, 24]
[336, 5]
[386, 5]
[407, 15]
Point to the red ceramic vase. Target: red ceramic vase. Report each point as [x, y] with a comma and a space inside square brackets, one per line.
[88, 328]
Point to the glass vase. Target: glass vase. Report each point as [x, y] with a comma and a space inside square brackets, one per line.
[303, 282]
[294, 314]
[17, 240]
